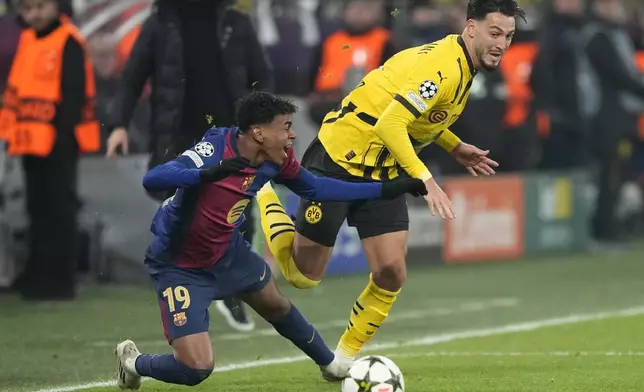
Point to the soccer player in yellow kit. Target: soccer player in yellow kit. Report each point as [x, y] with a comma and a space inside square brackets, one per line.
[397, 109]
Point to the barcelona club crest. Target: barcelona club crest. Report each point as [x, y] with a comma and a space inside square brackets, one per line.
[248, 181]
[180, 319]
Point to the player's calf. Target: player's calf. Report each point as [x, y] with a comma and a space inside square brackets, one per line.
[386, 256]
[291, 324]
[185, 367]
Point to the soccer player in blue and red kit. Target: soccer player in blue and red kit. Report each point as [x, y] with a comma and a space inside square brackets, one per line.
[198, 254]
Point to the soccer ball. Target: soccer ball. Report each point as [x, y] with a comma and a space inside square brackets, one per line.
[374, 374]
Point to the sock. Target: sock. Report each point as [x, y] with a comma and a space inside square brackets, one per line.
[294, 327]
[368, 313]
[164, 367]
[280, 234]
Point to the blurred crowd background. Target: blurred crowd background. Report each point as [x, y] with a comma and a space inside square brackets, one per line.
[562, 99]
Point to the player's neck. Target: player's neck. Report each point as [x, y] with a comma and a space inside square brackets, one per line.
[470, 50]
[248, 148]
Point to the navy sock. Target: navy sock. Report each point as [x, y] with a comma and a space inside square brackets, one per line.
[298, 330]
[164, 367]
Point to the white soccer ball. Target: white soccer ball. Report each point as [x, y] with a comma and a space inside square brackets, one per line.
[374, 373]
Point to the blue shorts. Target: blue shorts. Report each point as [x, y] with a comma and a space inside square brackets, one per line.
[185, 294]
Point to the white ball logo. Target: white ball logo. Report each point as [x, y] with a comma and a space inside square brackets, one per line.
[205, 149]
[428, 89]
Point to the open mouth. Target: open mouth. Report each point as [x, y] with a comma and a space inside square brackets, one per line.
[286, 148]
[496, 56]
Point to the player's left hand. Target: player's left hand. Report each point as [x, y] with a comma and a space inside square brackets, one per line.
[395, 188]
[225, 168]
[474, 159]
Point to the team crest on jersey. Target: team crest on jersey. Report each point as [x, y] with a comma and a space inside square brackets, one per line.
[205, 149]
[180, 319]
[428, 89]
[248, 181]
[313, 213]
[237, 211]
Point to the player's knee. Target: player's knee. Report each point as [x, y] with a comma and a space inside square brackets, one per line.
[193, 371]
[198, 362]
[390, 275]
[197, 376]
[275, 307]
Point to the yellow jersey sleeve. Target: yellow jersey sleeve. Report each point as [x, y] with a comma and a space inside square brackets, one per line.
[448, 141]
[428, 81]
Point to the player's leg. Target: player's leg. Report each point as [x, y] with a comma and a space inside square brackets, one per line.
[232, 308]
[251, 277]
[184, 313]
[287, 320]
[302, 256]
[382, 225]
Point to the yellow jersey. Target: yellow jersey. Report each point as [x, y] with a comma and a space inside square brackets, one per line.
[399, 108]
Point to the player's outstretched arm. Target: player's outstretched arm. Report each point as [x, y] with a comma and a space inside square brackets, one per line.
[171, 175]
[307, 185]
[182, 173]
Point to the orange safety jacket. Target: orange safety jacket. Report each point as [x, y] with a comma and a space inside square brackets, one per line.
[516, 68]
[339, 50]
[639, 60]
[34, 92]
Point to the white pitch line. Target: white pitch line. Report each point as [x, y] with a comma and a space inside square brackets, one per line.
[465, 307]
[425, 341]
[518, 354]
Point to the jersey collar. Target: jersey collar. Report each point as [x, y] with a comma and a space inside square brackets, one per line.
[232, 140]
[461, 42]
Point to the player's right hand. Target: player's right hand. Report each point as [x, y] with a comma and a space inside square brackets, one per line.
[224, 169]
[438, 200]
[117, 138]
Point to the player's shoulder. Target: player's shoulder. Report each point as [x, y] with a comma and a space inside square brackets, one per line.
[213, 141]
[210, 148]
[443, 55]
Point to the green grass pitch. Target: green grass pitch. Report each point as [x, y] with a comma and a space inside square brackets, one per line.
[558, 324]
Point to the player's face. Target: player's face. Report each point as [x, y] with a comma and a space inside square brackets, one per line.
[491, 37]
[278, 138]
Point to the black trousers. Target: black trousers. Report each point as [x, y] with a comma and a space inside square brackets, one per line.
[52, 207]
[565, 149]
[613, 172]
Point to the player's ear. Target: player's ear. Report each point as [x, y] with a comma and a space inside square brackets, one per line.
[257, 135]
[471, 25]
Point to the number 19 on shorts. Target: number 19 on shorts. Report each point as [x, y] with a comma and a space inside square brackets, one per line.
[177, 296]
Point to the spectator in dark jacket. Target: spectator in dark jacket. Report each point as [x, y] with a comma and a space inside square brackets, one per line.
[555, 81]
[612, 56]
[201, 57]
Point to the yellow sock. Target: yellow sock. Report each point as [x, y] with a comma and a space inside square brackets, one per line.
[368, 313]
[280, 233]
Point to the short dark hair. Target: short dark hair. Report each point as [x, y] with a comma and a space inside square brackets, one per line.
[479, 9]
[261, 107]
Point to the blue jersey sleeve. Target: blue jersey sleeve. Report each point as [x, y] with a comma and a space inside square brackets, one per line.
[311, 187]
[183, 171]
